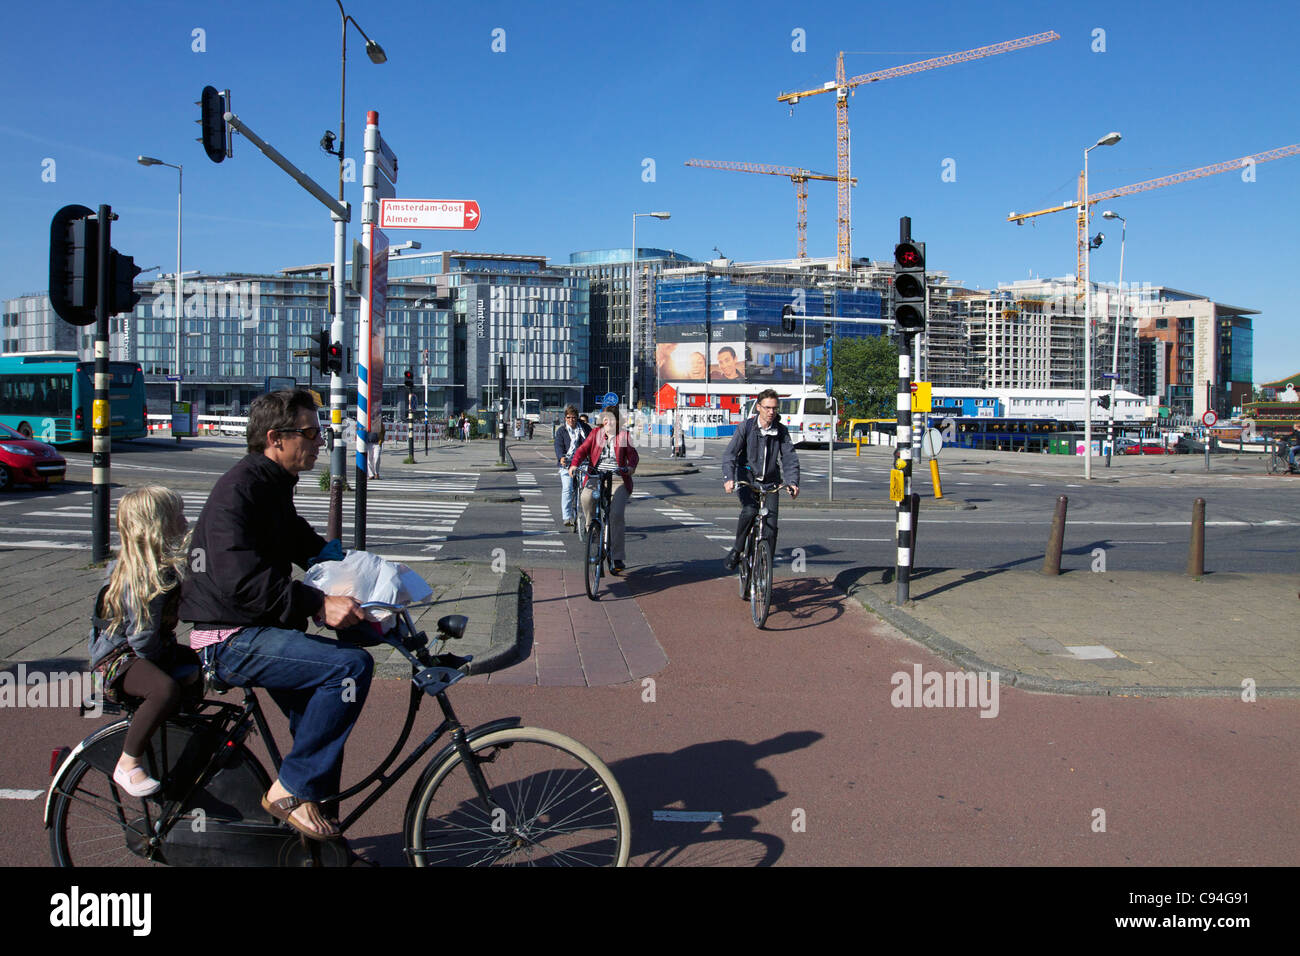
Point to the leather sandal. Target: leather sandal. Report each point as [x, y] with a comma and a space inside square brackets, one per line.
[283, 808]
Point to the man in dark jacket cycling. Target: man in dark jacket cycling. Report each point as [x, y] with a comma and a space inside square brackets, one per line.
[242, 598]
[763, 445]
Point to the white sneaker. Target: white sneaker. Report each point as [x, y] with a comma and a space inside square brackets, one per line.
[142, 788]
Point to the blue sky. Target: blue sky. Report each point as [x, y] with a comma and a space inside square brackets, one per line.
[550, 136]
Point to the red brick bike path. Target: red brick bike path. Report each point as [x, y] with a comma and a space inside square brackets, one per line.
[578, 642]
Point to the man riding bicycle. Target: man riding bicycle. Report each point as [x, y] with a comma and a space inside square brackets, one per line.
[763, 445]
[1292, 442]
[243, 600]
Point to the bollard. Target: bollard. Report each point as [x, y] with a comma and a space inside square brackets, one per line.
[934, 478]
[1196, 552]
[1052, 560]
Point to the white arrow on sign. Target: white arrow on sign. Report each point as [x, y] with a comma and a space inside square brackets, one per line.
[428, 214]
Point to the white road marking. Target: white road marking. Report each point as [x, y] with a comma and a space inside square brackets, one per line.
[687, 816]
[6, 794]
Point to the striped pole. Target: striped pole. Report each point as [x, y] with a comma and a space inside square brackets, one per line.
[904, 570]
[100, 417]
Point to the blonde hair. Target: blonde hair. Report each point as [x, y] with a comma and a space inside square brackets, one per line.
[153, 541]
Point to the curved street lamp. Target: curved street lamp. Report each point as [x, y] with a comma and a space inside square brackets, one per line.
[180, 312]
[1085, 211]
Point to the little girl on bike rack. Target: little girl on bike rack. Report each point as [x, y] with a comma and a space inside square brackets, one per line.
[133, 633]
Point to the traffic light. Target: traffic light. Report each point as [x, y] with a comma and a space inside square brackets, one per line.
[329, 355]
[122, 296]
[410, 379]
[74, 273]
[212, 122]
[909, 286]
[1104, 401]
[787, 318]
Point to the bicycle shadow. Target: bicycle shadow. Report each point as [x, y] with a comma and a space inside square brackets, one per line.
[721, 777]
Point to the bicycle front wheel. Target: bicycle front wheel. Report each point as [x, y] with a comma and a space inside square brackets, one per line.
[743, 568]
[1276, 464]
[591, 559]
[760, 588]
[551, 802]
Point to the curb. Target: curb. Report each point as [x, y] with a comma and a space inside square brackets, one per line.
[849, 581]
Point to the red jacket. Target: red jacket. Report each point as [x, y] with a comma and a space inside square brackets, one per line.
[625, 455]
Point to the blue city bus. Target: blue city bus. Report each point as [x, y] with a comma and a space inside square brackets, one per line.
[998, 434]
[49, 396]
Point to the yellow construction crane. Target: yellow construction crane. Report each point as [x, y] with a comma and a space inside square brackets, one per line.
[843, 87]
[797, 176]
[1082, 245]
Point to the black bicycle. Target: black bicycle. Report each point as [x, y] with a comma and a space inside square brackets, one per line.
[597, 560]
[496, 794]
[755, 568]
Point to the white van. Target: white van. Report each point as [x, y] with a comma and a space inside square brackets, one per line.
[810, 417]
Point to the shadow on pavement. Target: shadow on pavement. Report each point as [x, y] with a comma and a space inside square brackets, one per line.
[720, 776]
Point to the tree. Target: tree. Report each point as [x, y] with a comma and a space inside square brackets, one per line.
[866, 376]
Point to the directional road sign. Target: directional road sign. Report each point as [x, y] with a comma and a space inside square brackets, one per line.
[428, 214]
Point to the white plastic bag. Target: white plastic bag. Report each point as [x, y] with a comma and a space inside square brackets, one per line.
[368, 577]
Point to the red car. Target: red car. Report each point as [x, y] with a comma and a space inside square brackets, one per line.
[1146, 448]
[25, 461]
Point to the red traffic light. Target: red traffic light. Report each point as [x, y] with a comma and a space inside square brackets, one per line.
[908, 256]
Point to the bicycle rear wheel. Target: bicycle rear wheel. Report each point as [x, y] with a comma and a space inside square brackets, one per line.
[592, 558]
[552, 802]
[760, 590]
[96, 824]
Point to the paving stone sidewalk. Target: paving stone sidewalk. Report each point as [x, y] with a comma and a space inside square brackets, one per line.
[1130, 633]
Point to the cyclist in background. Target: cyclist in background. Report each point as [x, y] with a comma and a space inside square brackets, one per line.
[1292, 442]
[568, 439]
[762, 444]
[611, 447]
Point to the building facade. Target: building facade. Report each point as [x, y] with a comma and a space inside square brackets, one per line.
[608, 273]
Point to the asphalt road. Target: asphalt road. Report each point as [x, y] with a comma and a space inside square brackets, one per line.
[1138, 513]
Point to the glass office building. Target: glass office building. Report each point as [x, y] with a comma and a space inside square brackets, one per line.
[449, 317]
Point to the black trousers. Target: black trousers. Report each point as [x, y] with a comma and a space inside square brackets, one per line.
[749, 511]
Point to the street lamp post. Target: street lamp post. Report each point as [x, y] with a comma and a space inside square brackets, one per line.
[606, 370]
[631, 319]
[180, 311]
[1119, 307]
[1085, 212]
[338, 457]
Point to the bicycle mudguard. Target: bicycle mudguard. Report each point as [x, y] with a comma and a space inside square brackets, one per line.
[492, 726]
[99, 755]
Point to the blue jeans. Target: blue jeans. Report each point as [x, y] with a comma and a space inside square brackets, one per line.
[566, 495]
[320, 685]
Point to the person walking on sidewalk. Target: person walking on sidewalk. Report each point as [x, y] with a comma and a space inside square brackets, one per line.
[613, 447]
[763, 445]
[568, 437]
[375, 448]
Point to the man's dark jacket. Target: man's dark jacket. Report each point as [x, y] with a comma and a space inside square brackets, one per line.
[245, 544]
[562, 447]
[749, 446]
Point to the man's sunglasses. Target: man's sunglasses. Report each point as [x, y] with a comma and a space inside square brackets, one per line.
[311, 432]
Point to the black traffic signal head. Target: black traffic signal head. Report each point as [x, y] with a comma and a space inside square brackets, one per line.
[74, 251]
[787, 318]
[329, 355]
[122, 296]
[410, 378]
[212, 122]
[335, 358]
[1104, 401]
[909, 286]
